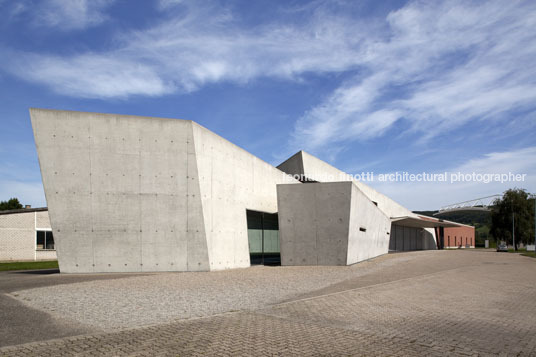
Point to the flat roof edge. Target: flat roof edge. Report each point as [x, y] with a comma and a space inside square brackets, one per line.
[23, 210]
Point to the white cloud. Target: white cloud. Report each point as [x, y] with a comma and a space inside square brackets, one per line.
[452, 61]
[197, 45]
[166, 4]
[72, 14]
[59, 14]
[91, 75]
[455, 61]
[433, 195]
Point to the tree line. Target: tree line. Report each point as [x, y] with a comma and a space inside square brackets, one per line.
[12, 203]
[513, 212]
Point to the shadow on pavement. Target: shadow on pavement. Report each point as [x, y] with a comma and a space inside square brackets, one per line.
[37, 272]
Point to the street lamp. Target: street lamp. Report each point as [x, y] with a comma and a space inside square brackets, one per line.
[533, 196]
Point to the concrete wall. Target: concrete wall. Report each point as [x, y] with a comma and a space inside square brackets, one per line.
[128, 193]
[374, 241]
[120, 192]
[294, 166]
[231, 181]
[18, 236]
[320, 224]
[315, 169]
[318, 170]
[410, 238]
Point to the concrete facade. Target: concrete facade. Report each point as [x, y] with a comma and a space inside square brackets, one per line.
[312, 168]
[309, 168]
[134, 194]
[130, 194]
[404, 238]
[18, 235]
[329, 224]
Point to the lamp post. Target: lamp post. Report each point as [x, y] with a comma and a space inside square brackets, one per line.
[533, 196]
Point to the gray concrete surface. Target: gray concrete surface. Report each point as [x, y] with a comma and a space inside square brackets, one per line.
[437, 303]
[312, 168]
[329, 224]
[133, 194]
[142, 194]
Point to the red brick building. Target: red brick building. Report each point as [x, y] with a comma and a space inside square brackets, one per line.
[459, 237]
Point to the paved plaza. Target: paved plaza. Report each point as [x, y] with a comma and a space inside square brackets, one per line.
[417, 303]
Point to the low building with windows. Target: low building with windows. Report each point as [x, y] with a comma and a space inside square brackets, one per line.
[458, 237]
[26, 234]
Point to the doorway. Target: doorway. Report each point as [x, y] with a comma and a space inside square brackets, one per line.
[263, 238]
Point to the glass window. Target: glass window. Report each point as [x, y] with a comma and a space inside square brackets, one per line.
[49, 243]
[45, 240]
[41, 239]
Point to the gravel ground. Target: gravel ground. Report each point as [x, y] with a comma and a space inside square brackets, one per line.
[164, 297]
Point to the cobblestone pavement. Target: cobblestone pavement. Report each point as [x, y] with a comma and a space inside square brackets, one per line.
[482, 303]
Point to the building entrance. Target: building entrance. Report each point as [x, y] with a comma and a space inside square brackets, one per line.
[263, 238]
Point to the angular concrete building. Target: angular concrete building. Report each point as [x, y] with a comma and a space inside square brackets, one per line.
[130, 194]
[329, 224]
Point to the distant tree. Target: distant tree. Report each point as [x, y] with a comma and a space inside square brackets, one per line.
[515, 205]
[12, 203]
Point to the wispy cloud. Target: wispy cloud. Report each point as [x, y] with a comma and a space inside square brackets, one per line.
[444, 64]
[200, 44]
[433, 65]
[63, 15]
[93, 75]
[433, 195]
[73, 14]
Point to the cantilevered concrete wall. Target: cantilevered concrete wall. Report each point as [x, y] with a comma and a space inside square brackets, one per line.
[329, 224]
[231, 181]
[311, 168]
[129, 194]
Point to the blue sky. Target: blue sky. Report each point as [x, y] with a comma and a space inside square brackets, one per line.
[365, 85]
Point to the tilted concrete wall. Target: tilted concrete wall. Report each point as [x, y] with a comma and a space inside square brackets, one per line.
[315, 169]
[314, 223]
[366, 215]
[231, 181]
[320, 224]
[128, 193]
[318, 170]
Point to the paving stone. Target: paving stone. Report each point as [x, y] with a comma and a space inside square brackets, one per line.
[479, 309]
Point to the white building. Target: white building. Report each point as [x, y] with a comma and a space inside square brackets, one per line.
[130, 194]
[25, 234]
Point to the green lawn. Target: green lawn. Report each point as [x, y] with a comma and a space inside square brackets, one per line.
[529, 254]
[524, 252]
[28, 265]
